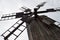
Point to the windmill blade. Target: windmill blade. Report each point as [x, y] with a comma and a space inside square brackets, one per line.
[16, 15]
[40, 5]
[15, 30]
[12, 16]
[7, 17]
[40, 12]
[49, 10]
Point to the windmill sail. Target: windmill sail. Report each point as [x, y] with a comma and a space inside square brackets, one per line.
[40, 5]
[16, 15]
[14, 30]
[49, 10]
[11, 16]
[7, 17]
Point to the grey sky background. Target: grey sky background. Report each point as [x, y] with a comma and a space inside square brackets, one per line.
[12, 6]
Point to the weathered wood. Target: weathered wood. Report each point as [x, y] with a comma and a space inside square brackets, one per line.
[38, 30]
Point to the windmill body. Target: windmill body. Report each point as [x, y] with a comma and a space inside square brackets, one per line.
[38, 27]
[43, 28]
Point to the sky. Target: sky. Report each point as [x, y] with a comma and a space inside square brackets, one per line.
[13, 6]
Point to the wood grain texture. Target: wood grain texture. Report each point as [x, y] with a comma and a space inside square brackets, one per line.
[39, 30]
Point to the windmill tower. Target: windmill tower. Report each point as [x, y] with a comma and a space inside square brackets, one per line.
[38, 27]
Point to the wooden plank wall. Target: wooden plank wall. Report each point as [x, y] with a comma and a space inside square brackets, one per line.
[38, 30]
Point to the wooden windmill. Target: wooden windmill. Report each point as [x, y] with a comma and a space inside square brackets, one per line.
[38, 27]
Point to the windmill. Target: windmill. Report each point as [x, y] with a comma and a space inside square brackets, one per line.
[27, 17]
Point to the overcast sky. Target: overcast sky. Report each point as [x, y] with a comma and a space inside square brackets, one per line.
[12, 6]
